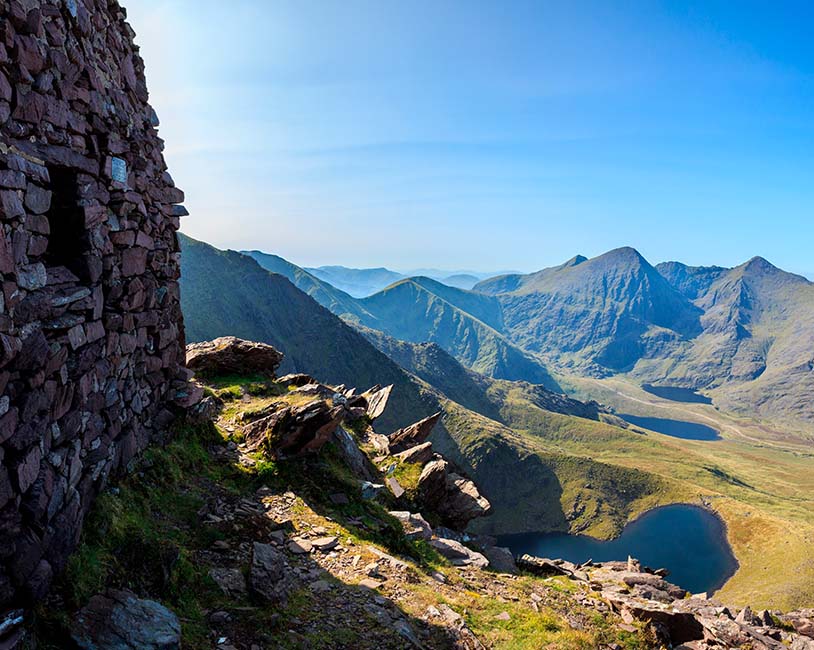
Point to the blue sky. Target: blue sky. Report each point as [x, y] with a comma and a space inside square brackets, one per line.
[489, 135]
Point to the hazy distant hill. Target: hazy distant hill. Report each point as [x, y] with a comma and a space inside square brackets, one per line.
[461, 280]
[359, 283]
[327, 295]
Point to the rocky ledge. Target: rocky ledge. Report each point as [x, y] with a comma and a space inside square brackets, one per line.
[678, 619]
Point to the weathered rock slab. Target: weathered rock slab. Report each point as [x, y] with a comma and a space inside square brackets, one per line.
[119, 620]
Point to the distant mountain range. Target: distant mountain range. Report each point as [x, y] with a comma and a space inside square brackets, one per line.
[545, 461]
[229, 293]
[461, 322]
[745, 335]
[361, 283]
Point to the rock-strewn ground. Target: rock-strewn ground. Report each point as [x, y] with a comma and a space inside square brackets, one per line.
[277, 535]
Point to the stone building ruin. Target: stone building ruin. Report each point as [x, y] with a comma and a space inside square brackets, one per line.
[91, 334]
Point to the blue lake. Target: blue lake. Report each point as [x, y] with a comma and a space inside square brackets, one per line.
[687, 540]
[677, 394]
[675, 428]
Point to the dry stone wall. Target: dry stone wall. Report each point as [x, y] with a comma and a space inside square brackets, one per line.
[91, 334]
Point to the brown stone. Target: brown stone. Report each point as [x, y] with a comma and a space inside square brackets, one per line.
[231, 355]
[91, 332]
[413, 435]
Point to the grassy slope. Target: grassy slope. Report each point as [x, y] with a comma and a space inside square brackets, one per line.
[154, 534]
[226, 293]
[761, 486]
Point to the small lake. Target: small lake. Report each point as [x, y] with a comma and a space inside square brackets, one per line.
[688, 540]
[677, 394]
[674, 428]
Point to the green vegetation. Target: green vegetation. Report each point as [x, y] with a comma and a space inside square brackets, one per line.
[154, 532]
[142, 535]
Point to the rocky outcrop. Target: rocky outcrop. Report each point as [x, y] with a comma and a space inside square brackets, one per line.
[377, 400]
[295, 430]
[229, 355]
[415, 526]
[456, 499]
[413, 435]
[677, 620]
[420, 454]
[119, 620]
[91, 332]
[458, 554]
[356, 460]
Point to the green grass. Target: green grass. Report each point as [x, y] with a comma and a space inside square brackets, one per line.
[140, 536]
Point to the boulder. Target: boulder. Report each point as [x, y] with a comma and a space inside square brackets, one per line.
[269, 575]
[119, 620]
[541, 566]
[459, 554]
[230, 581]
[415, 526]
[413, 435]
[229, 355]
[803, 625]
[452, 497]
[296, 379]
[679, 626]
[500, 559]
[294, 430]
[655, 582]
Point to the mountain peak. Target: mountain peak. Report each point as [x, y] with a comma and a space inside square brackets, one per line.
[624, 257]
[758, 263]
[624, 253]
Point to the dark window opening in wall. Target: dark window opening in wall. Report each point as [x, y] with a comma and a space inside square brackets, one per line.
[68, 241]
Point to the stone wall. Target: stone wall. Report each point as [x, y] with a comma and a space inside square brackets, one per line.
[91, 335]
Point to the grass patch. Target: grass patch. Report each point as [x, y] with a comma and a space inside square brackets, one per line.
[141, 536]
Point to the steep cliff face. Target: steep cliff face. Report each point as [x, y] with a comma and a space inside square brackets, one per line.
[91, 333]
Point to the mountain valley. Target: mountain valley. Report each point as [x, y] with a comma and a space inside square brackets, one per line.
[584, 469]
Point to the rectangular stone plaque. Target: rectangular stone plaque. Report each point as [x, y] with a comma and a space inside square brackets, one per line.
[118, 170]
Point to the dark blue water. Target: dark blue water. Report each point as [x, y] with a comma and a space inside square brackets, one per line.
[688, 540]
[675, 428]
[677, 394]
